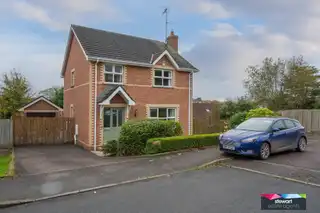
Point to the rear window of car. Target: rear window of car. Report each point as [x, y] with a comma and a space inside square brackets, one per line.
[289, 124]
[297, 123]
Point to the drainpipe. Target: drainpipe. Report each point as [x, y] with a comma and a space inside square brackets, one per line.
[95, 106]
[190, 99]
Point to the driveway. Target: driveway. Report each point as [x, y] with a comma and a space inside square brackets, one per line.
[303, 166]
[34, 160]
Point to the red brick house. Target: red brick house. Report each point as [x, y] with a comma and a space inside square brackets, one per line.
[110, 78]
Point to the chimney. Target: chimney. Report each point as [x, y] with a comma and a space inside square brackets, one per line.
[172, 40]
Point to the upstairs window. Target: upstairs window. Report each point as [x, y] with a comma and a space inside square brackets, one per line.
[162, 78]
[162, 113]
[113, 73]
[73, 77]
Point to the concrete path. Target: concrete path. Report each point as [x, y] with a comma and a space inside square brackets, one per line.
[53, 183]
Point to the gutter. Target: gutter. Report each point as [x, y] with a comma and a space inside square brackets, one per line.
[189, 108]
[95, 106]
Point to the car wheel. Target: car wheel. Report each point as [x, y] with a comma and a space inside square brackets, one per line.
[302, 145]
[264, 151]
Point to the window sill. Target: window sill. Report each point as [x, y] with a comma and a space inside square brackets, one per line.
[105, 82]
[165, 87]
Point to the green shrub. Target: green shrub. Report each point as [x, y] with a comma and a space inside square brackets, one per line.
[158, 145]
[134, 134]
[110, 147]
[237, 119]
[260, 112]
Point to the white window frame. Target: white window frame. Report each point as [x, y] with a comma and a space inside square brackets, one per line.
[73, 78]
[167, 112]
[113, 73]
[162, 77]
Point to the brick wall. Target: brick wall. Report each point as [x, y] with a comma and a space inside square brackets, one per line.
[78, 96]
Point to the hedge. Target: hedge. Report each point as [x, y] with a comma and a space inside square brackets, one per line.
[260, 112]
[158, 145]
[237, 119]
[134, 134]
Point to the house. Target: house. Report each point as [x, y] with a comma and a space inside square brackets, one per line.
[110, 78]
[40, 107]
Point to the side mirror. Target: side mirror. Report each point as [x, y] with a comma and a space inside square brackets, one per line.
[275, 129]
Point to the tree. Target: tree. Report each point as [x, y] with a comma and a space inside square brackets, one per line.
[231, 107]
[301, 84]
[54, 94]
[265, 84]
[15, 92]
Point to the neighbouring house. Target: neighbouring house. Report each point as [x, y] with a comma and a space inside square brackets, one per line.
[40, 107]
[110, 78]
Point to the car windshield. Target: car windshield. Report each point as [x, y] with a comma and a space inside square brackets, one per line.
[259, 125]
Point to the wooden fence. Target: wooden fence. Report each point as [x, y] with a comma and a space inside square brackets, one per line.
[206, 118]
[310, 119]
[36, 131]
[5, 133]
[206, 127]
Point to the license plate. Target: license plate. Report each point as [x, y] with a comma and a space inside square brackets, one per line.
[229, 147]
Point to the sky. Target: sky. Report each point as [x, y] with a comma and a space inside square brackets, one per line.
[220, 37]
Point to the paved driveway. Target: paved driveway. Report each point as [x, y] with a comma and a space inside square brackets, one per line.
[33, 160]
[303, 166]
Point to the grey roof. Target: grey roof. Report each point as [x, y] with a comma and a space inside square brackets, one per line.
[108, 90]
[104, 44]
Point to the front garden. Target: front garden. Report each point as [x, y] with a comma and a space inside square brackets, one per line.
[154, 136]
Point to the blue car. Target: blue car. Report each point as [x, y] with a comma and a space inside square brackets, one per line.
[262, 136]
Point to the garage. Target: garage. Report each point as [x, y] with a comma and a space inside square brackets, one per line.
[41, 107]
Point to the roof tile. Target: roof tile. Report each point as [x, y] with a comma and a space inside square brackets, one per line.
[105, 44]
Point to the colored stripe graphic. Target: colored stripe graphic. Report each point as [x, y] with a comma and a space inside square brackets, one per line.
[284, 196]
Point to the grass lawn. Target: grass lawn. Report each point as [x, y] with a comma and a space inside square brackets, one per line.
[4, 164]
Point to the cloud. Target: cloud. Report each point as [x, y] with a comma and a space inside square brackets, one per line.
[261, 29]
[223, 59]
[222, 30]
[36, 13]
[59, 14]
[38, 60]
[212, 9]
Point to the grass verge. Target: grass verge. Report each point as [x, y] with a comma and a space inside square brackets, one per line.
[6, 165]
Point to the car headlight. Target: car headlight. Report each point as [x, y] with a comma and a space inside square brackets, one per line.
[220, 136]
[249, 140]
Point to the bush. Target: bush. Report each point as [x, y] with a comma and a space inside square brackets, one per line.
[110, 147]
[237, 119]
[260, 112]
[134, 134]
[158, 145]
